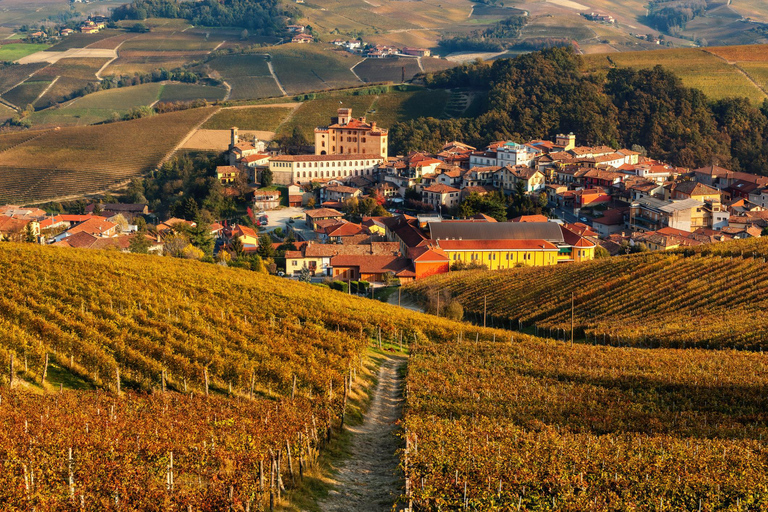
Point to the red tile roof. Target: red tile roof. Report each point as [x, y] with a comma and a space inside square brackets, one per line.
[496, 245]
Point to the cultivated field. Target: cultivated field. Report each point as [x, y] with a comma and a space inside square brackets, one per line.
[15, 51]
[77, 160]
[189, 92]
[696, 67]
[248, 118]
[302, 68]
[26, 93]
[387, 70]
[248, 75]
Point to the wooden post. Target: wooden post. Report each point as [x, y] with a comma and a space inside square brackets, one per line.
[438, 303]
[45, 370]
[71, 480]
[10, 381]
[205, 370]
[485, 308]
[253, 383]
[399, 291]
[571, 318]
[290, 459]
[293, 389]
[162, 380]
[117, 379]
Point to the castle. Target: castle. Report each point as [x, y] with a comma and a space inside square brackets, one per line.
[349, 136]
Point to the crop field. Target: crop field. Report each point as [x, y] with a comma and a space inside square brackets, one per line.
[129, 63]
[687, 308]
[318, 112]
[79, 40]
[248, 118]
[189, 92]
[697, 68]
[570, 27]
[26, 93]
[74, 160]
[387, 70]
[159, 42]
[302, 69]
[432, 64]
[540, 425]
[13, 74]
[112, 42]
[397, 106]
[15, 51]
[747, 53]
[248, 75]
[98, 107]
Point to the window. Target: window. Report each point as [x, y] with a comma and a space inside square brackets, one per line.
[323, 144]
[295, 263]
[363, 140]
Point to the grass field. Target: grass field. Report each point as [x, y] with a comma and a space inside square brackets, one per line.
[15, 51]
[697, 68]
[248, 118]
[81, 159]
[302, 68]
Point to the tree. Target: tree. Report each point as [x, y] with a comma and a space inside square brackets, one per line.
[29, 236]
[454, 311]
[236, 246]
[265, 250]
[305, 275]
[174, 244]
[601, 252]
[311, 202]
[244, 35]
[266, 178]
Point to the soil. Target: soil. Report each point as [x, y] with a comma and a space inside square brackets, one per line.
[370, 480]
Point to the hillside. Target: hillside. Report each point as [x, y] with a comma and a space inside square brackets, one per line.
[221, 350]
[79, 160]
[715, 299]
[231, 381]
[534, 425]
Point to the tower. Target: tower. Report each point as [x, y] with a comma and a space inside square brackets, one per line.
[234, 137]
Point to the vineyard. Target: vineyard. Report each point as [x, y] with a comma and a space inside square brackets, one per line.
[536, 425]
[77, 160]
[238, 364]
[716, 298]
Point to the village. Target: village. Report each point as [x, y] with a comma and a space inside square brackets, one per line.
[350, 212]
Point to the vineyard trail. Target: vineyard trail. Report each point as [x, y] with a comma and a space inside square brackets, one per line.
[369, 479]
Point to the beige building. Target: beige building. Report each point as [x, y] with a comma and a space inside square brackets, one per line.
[301, 169]
[349, 136]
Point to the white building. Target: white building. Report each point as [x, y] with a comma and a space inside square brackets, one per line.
[301, 169]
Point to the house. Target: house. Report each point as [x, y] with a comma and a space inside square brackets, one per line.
[94, 225]
[173, 224]
[312, 216]
[296, 29]
[610, 222]
[416, 52]
[317, 257]
[428, 260]
[66, 31]
[266, 199]
[339, 193]
[248, 237]
[368, 267]
[590, 197]
[531, 180]
[14, 229]
[530, 218]
[226, 173]
[302, 38]
[441, 195]
[691, 190]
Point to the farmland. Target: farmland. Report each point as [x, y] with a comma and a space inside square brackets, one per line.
[387, 70]
[302, 69]
[689, 307]
[248, 118]
[541, 425]
[15, 51]
[247, 74]
[701, 69]
[79, 160]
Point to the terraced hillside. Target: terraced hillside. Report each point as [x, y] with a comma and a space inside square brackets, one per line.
[78, 160]
[715, 299]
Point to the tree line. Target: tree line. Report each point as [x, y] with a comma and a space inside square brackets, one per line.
[261, 17]
[541, 94]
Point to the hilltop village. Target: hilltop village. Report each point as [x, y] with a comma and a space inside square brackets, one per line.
[357, 213]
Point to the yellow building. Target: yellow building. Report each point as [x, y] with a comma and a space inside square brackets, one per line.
[502, 245]
[349, 136]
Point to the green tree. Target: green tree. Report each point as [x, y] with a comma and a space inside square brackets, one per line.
[265, 249]
[266, 178]
[236, 246]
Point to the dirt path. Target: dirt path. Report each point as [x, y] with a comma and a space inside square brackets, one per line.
[369, 479]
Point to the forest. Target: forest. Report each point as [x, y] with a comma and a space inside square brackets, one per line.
[541, 94]
[261, 17]
[499, 37]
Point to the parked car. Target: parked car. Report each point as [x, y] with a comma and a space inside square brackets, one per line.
[583, 219]
[264, 220]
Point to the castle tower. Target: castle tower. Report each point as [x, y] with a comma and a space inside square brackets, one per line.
[234, 137]
[345, 115]
[567, 141]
